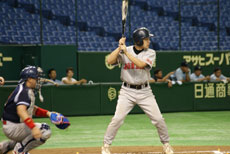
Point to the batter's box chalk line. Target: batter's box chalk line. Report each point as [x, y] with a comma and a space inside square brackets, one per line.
[181, 152]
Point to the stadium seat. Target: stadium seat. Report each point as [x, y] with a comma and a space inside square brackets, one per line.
[97, 24]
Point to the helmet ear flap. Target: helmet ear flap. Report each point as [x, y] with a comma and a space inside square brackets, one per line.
[140, 43]
[140, 34]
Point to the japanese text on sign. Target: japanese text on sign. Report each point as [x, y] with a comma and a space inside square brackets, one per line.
[208, 59]
[211, 90]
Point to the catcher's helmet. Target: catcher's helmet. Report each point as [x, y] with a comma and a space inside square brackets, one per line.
[29, 72]
[140, 34]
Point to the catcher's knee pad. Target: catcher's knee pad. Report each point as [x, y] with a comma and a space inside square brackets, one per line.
[45, 130]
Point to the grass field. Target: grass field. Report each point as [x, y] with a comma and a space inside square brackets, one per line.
[185, 129]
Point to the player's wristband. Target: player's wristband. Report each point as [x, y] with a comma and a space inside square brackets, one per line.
[41, 112]
[29, 122]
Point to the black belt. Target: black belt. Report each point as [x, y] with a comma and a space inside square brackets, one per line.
[141, 86]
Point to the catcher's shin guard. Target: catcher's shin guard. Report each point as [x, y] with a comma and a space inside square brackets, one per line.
[6, 146]
[30, 143]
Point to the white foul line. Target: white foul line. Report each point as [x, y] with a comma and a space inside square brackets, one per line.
[215, 152]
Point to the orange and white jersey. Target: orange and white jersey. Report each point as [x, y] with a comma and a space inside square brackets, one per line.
[132, 74]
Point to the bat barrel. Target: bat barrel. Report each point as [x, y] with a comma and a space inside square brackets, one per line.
[123, 28]
[124, 15]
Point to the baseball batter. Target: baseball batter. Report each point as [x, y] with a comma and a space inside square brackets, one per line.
[17, 120]
[136, 63]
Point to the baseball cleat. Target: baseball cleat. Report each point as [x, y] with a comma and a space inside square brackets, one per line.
[167, 149]
[105, 149]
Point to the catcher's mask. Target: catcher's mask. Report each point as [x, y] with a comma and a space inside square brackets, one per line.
[35, 73]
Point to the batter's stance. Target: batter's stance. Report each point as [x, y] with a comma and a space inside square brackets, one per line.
[136, 63]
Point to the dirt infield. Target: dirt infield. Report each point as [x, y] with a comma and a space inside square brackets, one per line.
[138, 150]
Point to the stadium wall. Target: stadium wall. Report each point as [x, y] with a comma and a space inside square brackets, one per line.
[101, 99]
[92, 66]
[15, 58]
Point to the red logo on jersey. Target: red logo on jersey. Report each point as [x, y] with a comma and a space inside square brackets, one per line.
[131, 66]
[150, 62]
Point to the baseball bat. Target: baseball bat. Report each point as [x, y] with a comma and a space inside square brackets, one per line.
[124, 15]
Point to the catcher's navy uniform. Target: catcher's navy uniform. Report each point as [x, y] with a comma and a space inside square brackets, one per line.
[21, 138]
[20, 96]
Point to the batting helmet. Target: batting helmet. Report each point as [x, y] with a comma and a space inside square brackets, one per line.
[29, 72]
[140, 34]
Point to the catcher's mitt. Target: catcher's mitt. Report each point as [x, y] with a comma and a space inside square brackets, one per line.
[59, 120]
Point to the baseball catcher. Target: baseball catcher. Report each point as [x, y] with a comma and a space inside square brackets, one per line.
[18, 125]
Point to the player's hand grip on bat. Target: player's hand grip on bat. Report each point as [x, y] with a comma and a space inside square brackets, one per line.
[122, 41]
[123, 48]
[122, 45]
[112, 58]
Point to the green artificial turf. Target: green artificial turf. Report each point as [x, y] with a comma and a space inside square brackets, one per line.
[185, 128]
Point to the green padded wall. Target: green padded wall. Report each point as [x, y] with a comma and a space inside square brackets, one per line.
[101, 99]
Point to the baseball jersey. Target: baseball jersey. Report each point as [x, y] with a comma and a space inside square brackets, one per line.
[22, 95]
[65, 78]
[213, 77]
[194, 78]
[132, 74]
[56, 81]
[179, 75]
